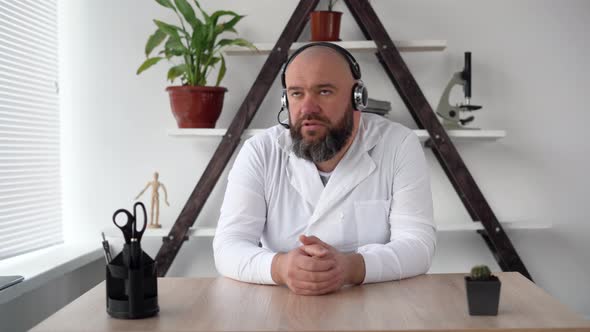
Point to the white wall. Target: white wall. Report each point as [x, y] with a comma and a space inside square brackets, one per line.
[530, 74]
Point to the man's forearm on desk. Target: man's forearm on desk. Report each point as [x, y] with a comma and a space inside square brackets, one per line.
[408, 254]
[242, 260]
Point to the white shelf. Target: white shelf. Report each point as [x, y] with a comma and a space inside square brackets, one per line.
[193, 132]
[210, 231]
[163, 232]
[473, 226]
[362, 46]
[462, 135]
[467, 135]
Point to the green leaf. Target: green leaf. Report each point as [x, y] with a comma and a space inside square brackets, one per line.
[205, 15]
[222, 71]
[218, 14]
[176, 71]
[199, 39]
[226, 26]
[175, 47]
[237, 42]
[154, 40]
[168, 53]
[228, 30]
[231, 23]
[166, 3]
[212, 61]
[187, 11]
[169, 29]
[148, 63]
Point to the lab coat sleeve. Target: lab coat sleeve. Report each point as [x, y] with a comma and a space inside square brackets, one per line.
[243, 215]
[413, 232]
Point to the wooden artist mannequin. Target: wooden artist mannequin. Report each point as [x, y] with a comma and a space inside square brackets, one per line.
[155, 184]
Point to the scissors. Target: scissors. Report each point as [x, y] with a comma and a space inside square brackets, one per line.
[129, 228]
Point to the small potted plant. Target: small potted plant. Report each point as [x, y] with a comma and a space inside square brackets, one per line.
[196, 42]
[483, 291]
[325, 25]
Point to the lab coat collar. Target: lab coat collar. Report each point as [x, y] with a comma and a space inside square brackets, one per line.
[355, 166]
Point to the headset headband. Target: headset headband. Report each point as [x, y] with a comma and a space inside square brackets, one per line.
[354, 67]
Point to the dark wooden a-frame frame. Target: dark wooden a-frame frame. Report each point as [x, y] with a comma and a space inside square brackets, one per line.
[407, 87]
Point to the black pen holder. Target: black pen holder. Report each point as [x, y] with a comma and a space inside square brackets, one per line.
[132, 292]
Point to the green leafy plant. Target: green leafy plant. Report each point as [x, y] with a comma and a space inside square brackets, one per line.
[331, 4]
[480, 272]
[196, 41]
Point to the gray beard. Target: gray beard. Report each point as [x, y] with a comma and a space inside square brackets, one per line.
[325, 149]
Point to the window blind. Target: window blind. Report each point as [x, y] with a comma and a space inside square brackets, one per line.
[30, 186]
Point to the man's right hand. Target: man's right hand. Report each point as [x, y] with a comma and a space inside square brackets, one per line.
[304, 274]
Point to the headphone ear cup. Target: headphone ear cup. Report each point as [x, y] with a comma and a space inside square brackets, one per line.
[284, 107]
[360, 96]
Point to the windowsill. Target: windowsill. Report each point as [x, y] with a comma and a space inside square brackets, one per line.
[43, 265]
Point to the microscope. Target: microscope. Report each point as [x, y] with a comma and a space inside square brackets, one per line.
[451, 114]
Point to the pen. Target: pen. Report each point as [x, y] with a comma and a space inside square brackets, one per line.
[107, 249]
[134, 253]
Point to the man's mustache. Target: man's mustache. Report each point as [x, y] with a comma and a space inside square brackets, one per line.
[315, 117]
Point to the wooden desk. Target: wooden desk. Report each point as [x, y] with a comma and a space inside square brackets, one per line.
[427, 302]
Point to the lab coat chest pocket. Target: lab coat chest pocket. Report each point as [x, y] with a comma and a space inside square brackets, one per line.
[372, 221]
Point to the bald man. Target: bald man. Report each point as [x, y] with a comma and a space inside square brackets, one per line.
[340, 198]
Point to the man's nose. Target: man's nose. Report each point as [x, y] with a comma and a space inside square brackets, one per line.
[309, 105]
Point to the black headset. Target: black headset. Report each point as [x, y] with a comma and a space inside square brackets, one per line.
[359, 90]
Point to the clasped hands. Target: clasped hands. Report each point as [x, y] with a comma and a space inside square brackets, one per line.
[316, 268]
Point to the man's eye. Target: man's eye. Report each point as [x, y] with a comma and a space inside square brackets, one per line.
[295, 94]
[325, 92]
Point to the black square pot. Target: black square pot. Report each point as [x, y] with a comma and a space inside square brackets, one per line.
[483, 296]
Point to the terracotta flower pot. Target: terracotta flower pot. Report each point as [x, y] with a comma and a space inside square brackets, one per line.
[196, 106]
[325, 26]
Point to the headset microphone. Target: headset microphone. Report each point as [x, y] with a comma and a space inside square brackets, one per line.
[285, 125]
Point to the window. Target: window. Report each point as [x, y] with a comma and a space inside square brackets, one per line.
[30, 186]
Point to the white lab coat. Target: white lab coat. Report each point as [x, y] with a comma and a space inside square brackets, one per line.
[377, 202]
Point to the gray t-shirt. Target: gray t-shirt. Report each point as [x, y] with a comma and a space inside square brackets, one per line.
[324, 177]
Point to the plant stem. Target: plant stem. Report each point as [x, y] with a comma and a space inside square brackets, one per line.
[189, 63]
[198, 68]
[189, 60]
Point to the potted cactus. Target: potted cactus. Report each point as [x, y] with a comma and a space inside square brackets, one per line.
[325, 25]
[197, 44]
[483, 291]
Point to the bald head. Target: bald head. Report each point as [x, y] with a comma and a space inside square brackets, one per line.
[323, 60]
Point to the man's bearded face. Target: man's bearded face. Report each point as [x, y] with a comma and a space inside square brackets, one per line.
[317, 139]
